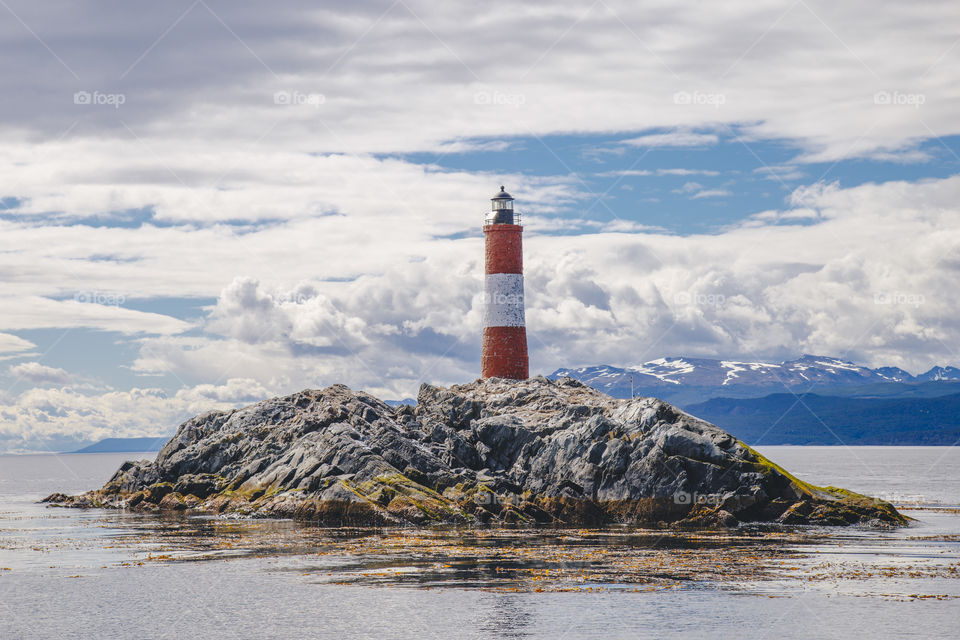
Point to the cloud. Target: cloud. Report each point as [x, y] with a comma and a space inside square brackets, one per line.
[698, 191]
[627, 173]
[657, 172]
[711, 193]
[375, 299]
[687, 172]
[673, 139]
[393, 330]
[780, 173]
[11, 345]
[245, 313]
[793, 216]
[38, 374]
[235, 391]
[689, 187]
[907, 156]
[36, 312]
[774, 286]
[417, 76]
[44, 419]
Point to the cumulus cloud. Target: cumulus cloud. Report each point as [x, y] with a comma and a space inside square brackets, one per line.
[247, 314]
[38, 374]
[44, 419]
[235, 390]
[772, 287]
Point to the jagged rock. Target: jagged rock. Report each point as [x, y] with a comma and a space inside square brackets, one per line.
[201, 485]
[493, 450]
[701, 518]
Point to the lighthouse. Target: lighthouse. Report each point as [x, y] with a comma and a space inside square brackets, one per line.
[504, 330]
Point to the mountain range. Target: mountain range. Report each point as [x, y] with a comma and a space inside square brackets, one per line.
[686, 379]
[810, 400]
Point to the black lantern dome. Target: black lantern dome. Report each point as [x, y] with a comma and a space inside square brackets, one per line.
[501, 208]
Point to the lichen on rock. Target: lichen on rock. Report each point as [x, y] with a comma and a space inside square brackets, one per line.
[532, 451]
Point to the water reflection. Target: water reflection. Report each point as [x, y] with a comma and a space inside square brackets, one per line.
[505, 616]
[545, 559]
[215, 577]
[615, 559]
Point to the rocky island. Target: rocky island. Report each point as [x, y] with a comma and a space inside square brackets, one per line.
[501, 451]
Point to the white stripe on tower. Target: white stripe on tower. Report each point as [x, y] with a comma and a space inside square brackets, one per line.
[503, 293]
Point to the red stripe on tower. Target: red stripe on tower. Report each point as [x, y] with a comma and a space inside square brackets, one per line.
[504, 353]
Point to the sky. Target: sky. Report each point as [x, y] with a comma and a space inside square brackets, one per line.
[206, 203]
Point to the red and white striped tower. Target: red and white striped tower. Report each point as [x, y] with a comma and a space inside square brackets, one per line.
[504, 331]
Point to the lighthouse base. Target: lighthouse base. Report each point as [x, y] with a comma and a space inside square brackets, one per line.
[505, 353]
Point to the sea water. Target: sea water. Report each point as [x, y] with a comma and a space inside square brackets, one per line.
[68, 573]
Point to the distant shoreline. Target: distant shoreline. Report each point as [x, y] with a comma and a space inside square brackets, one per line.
[150, 444]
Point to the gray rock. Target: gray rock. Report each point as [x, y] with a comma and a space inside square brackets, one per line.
[533, 450]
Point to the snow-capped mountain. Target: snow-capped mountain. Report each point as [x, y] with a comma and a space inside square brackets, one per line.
[896, 374]
[939, 373]
[815, 372]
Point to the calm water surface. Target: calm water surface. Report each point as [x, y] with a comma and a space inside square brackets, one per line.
[98, 574]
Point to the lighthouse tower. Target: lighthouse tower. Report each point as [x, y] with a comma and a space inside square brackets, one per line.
[504, 331]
